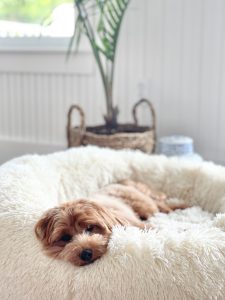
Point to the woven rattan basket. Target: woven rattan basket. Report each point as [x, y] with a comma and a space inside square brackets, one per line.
[132, 136]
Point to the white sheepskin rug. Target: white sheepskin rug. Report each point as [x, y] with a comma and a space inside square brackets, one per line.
[182, 258]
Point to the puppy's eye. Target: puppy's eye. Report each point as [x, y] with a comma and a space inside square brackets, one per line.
[90, 228]
[66, 238]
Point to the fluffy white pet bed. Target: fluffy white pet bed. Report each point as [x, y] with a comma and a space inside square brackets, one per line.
[183, 258]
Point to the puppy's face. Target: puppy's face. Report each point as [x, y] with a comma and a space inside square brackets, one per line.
[77, 231]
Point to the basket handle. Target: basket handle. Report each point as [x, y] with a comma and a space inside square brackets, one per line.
[151, 108]
[153, 115]
[69, 123]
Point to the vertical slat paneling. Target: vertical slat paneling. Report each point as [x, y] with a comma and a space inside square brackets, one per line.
[154, 60]
[211, 74]
[221, 101]
[172, 65]
[191, 72]
[3, 104]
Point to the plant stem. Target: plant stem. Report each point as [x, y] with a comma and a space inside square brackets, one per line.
[107, 84]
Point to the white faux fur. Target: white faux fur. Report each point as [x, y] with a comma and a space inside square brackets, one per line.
[182, 258]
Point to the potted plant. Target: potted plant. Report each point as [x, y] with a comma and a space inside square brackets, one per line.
[103, 33]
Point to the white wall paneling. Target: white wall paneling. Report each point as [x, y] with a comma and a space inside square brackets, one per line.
[171, 51]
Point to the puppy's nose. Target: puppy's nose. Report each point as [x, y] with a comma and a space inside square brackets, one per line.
[86, 255]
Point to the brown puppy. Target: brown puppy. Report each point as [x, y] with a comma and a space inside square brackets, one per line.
[79, 231]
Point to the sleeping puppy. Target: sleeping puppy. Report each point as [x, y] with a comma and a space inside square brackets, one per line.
[79, 231]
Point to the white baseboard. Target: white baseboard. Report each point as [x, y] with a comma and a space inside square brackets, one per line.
[11, 149]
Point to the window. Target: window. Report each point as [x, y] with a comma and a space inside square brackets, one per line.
[36, 24]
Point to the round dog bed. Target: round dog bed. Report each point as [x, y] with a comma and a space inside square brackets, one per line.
[182, 258]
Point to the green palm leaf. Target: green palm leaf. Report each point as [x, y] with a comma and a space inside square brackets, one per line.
[78, 30]
[109, 25]
[100, 21]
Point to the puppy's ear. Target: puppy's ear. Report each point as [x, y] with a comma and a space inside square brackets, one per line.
[45, 225]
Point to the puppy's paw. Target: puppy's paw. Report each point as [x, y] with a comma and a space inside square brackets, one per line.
[146, 212]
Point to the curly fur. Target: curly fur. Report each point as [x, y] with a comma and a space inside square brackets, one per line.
[87, 224]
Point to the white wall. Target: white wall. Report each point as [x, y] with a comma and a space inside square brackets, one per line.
[171, 51]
